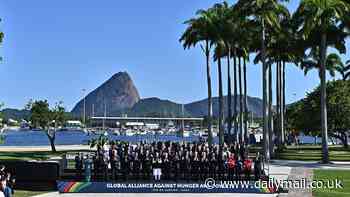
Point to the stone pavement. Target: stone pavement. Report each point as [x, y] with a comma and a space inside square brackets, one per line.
[298, 174]
[312, 164]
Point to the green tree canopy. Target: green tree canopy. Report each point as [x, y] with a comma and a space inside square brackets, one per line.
[47, 119]
[305, 114]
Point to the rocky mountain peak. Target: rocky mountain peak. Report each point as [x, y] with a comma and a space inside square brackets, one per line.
[117, 94]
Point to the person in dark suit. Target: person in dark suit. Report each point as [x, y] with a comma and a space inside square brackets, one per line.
[147, 165]
[78, 165]
[257, 167]
[195, 166]
[166, 166]
[113, 161]
[213, 164]
[175, 166]
[125, 167]
[136, 166]
[204, 166]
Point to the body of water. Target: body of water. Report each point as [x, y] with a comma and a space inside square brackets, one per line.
[39, 138]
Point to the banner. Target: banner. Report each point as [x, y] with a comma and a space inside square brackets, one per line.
[158, 187]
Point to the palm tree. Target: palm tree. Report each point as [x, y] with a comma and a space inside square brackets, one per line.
[320, 15]
[245, 100]
[240, 47]
[281, 49]
[343, 69]
[240, 100]
[242, 81]
[333, 63]
[224, 34]
[235, 129]
[218, 54]
[200, 30]
[265, 12]
[243, 27]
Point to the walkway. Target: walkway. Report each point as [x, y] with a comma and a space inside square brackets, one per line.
[298, 174]
[312, 164]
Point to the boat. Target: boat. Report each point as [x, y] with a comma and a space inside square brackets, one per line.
[142, 132]
[129, 132]
[116, 132]
[186, 134]
[36, 129]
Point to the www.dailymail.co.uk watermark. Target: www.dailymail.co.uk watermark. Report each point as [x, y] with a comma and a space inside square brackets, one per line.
[211, 183]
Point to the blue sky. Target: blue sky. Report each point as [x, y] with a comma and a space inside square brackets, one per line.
[54, 49]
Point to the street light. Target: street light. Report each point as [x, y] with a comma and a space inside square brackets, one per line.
[84, 106]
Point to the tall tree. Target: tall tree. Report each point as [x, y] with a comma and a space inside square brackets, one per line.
[240, 100]
[305, 115]
[235, 129]
[265, 13]
[246, 112]
[45, 118]
[200, 30]
[221, 101]
[311, 61]
[320, 16]
[222, 20]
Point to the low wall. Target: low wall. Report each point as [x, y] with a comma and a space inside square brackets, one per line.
[34, 175]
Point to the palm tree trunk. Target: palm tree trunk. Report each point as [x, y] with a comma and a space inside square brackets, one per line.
[221, 108]
[210, 105]
[241, 137]
[235, 136]
[325, 156]
[245, 102]
[278, 101]
[271, 129]
[265, 97]
[229, 93]
[283, 100]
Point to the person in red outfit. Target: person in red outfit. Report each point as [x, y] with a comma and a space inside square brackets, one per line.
[231, 164]
[247, 164]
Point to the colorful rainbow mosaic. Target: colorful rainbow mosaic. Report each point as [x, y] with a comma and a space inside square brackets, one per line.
[72, 187]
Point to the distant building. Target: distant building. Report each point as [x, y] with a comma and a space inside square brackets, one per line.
[134, 125]
[73, 124]
[152, 126]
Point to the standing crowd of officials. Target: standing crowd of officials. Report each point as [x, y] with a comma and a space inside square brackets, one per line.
[170, 161]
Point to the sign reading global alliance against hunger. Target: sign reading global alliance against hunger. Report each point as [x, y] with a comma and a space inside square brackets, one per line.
[109, 187]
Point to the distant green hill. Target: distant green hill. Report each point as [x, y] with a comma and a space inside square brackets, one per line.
[15, 114]
[157, 108]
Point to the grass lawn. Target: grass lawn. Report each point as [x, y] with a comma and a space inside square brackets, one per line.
[24, 193]
[325, 174]
[313, 153]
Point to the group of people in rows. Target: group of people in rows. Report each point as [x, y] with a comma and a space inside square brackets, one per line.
[170, 161]
[6, 183]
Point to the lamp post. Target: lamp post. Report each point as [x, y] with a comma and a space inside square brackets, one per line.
[84, 106]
